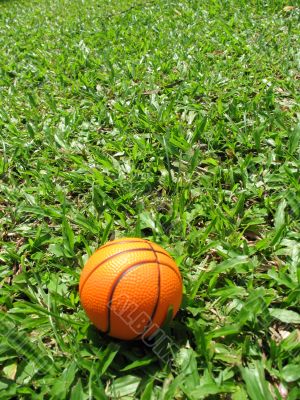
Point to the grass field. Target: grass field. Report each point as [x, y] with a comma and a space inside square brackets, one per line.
[174, 121]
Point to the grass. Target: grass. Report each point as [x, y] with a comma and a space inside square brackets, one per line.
[174, 121]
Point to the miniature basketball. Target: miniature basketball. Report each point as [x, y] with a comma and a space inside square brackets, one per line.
[127, 287]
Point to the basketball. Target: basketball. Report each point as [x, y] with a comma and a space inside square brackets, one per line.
[127, 287]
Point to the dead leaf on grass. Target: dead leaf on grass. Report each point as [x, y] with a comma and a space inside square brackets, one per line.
[289, 8]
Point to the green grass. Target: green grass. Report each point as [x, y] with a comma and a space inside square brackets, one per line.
[174, 121]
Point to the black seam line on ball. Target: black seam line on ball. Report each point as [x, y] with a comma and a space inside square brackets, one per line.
[148, 326]
[115, 284]
[152, 317]
[121, 241]
[118, 281]
[111, 257]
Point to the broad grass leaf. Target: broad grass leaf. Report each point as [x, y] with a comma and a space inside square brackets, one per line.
[170, 388]
[200, 127]
[29, 308]
[77, 392]
[201, 340]
[294, 139]
[282, 279]
[147, 393]
[291, 372]
[232, 263]
[286, 316]
[68, 236]
[202, 392]
[107, 229]
[226, 354]
[239, 208]
[290, 343]
[56, 249]
[253, 307]
[10, 369]
[98, 390]
[6, 352]
[186, 360]
[256, 384]
[239, 394]
[89, 224]
[225, 331]
[8, 388]
[280, 216]
[139, 363]
[179, 142]
[43, 211]
[64, 382]
[123, 386]
[229, 292]
[22, 345]
[26, 372]
[109, 354]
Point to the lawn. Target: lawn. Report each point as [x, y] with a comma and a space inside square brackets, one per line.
[174, 121]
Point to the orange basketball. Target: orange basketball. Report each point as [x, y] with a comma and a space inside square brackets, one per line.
[127, 286]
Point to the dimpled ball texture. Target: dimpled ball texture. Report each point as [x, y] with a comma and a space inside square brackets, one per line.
[127, 287]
